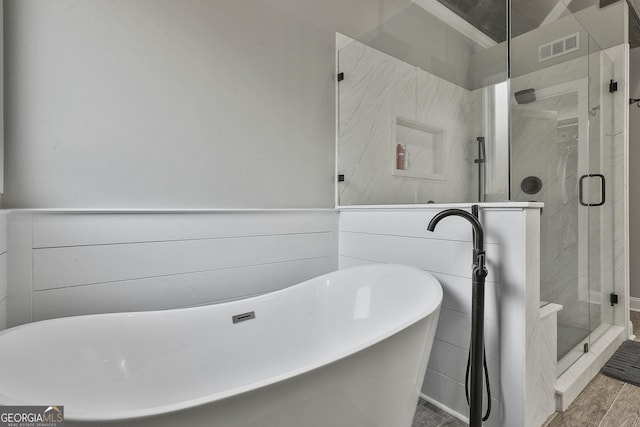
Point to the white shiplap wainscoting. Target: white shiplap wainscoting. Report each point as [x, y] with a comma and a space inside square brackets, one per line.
[3, 270]
[74, 263]
[522, 395]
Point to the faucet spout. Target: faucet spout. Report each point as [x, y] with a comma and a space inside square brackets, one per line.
[478, 232]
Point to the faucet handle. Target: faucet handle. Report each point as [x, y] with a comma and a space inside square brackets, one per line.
[479, 267]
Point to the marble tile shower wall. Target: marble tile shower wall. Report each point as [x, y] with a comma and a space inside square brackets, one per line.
[3, 271]
[539, 149]
[533, 130]
[376, 89]
[620, 171]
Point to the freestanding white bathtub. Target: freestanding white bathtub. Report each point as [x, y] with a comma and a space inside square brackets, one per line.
[349, 348]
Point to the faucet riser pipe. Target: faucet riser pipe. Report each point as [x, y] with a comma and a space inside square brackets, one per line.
[477, 346]
[477, 309]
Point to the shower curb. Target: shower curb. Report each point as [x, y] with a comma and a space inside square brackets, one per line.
[576, 378]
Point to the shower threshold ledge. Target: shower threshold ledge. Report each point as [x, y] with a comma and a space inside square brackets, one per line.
[576, 378]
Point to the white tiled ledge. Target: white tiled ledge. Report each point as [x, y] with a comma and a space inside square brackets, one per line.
[161, 210]
[427, 206]
[492, 205]
[549, 309]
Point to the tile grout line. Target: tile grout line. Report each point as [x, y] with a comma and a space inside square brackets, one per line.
[611, 406]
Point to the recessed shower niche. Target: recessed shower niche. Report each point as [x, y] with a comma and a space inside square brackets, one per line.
[418, 150]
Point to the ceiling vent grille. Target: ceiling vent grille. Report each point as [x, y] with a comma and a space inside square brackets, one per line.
[559, 47]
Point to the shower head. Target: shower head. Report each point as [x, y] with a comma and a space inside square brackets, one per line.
[525, 96]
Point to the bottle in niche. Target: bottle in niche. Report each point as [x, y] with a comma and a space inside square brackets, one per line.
[400, 160]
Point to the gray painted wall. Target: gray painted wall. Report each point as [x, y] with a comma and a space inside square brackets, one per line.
[160, 103]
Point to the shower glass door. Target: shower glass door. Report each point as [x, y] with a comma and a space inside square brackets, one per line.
[597, 192]
[561, 154]
[549, 154]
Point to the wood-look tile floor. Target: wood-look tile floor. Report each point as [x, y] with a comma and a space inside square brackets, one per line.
[605, 402]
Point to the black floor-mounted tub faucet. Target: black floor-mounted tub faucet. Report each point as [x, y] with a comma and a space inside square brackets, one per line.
[478, 275]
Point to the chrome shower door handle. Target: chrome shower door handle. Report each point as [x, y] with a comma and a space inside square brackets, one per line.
[602, 192]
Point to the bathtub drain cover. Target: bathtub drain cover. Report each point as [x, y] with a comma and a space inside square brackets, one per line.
[242, 317]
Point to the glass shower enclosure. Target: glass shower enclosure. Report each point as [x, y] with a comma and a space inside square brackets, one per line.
[451, 102]
[417, 112]
[562, 155]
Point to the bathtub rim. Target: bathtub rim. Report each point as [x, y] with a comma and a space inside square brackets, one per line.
[427, 310]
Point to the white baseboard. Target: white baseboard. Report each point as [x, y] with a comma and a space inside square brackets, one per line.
[634, 304]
